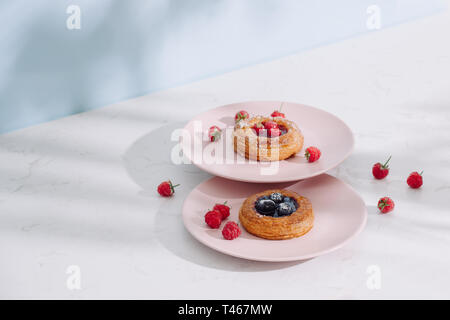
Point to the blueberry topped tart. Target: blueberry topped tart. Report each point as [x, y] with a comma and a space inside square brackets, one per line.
[277, 214]
[276, 205]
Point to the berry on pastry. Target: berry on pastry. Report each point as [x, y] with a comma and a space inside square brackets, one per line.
[265, 206]
[270, 125]
[166, 188]
[276, 197]
[213, 219]
[273, 132]
[386, 205]
[277, 214]
[267, 139]
[241, 115]
[276, 206]
[214, 133]
[415, 180]
[231, 230]
[284, 209]
[312, 154]
[277, 113]
[258, 127]
[223, 209]
[292, 205]
[380, 171]
[267, 129]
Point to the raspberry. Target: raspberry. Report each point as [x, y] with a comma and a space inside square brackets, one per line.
[213, 219]
[241, 115]
[415, 180]
[231, 230]
[214, 133]
[312, 154]
[386, 205]
[270, 125]
[277, 114]
[380, 171]
[274, 132]
[223, 209]
[166, 188]
[258, 127]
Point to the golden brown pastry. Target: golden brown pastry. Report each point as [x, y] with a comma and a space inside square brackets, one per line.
[259, 216]
[264, 147]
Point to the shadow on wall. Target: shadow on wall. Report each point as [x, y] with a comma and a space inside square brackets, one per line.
[125, 48]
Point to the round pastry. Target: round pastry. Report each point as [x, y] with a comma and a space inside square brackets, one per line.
[255, 139]
[277, 214]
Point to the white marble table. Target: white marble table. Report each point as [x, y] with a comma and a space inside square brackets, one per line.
[80, 191]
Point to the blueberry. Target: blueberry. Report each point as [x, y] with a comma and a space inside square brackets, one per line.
[264, 198]
[287, 199]
[276, 197]
[292, 207]
[284, 209]
[291, 201]
[264, 206]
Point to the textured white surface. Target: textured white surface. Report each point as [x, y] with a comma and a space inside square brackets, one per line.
[81, 190]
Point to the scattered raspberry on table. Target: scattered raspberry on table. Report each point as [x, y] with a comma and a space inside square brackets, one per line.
[386, 205]
[380, 171]
[415, 180]
[166, 188]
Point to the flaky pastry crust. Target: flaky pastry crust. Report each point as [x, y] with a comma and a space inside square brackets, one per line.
[280, 228]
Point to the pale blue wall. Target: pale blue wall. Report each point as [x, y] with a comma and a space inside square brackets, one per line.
[126, 48]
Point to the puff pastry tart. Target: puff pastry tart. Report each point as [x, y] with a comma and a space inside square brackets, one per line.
[267, 139]
[277, 214]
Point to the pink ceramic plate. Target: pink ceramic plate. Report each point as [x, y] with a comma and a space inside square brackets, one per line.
[321, 129]
[340, 214]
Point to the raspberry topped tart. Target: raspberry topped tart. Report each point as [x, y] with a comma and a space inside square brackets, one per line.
[267, 138]
[277, 214]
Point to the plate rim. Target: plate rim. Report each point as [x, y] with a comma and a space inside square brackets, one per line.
[284, 259]
[219, 174]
